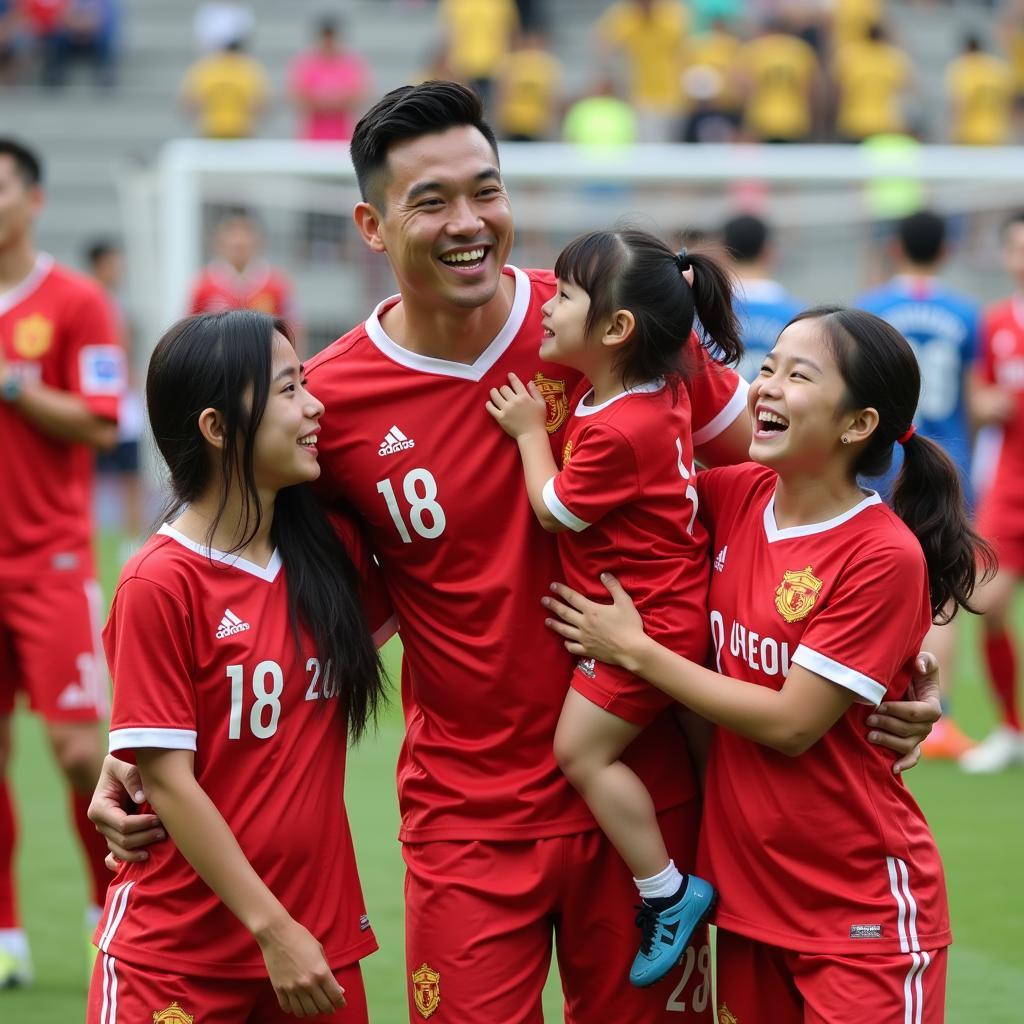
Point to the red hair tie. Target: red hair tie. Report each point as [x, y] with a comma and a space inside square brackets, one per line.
[911, 430]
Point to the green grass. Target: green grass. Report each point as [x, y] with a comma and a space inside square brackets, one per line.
[977, 820]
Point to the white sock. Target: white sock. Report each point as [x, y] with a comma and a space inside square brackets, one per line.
[664, 883]
[14, 941]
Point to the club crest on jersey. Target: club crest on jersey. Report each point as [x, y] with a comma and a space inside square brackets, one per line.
[33, 336]
[726, 1016]
[797, 593]
[553, 393]
[174, 1014]
[587, 667]
[426, 990]
[262, 302]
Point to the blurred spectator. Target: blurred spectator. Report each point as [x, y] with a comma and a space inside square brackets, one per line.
[852, 19]
[783, 86]
[67, 30]
[871, 77]
[528, 88]
[10, 42]
[118, 468]
[218, 25]
[602, 122]
[478, 34]
[238, 277]
[650, 35]
[228, 91]
[763, 307]
[980, 88]
[328, 84]
[1011, 34]
[709, 13]
[711, 86]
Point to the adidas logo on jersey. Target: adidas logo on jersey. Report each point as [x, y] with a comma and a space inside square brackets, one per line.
[230, 624]
[720, 559]
[395, 441]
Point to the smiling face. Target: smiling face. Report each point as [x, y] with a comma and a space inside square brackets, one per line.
[564, 334]
[796, 403]
[446, 223]
[284, 450]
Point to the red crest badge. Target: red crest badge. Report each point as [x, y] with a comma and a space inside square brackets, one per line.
[426, 990]
[553, 393]
[33, 336]
[174, 1014]
[725, 1016]
[797, 593]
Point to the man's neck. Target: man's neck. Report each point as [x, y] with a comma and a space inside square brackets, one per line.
[452, 333]
[16, 263]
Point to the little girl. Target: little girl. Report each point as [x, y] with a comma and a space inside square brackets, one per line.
[242, 661]
[626, 495]
[833, 905]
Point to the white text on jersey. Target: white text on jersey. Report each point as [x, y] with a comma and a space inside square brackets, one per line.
[230, 624]
[762, 653]
[395, 441]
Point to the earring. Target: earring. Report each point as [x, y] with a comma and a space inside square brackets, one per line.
[844, 439]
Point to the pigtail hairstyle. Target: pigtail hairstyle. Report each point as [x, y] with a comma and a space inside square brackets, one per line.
[631, 269]
[223, 361]
[880, 371]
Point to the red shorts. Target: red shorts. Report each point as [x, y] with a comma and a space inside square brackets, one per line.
[762, 984]
[619, 692]
[122, 994]
[1002, 526]
[480, 918]
[50, 648]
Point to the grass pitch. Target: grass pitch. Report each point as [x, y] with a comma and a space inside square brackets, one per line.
[978, 822]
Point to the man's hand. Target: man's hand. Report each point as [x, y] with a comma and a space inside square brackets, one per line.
[126, 834]
[519, 408]
[903, 725]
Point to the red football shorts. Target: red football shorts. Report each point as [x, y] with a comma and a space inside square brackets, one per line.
[50, 648]
[1002, 526]
[619, 692]
[480, 917]
[122, 994]
[762, 984]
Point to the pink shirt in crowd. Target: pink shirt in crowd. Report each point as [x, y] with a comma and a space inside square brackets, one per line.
[316, 76]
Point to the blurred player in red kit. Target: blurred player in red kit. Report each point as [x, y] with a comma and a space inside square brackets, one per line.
[61, 378]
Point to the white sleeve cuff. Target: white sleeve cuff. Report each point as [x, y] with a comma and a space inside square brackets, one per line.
[868, 690]
[162, 739]
[559, 511]
[733, 408]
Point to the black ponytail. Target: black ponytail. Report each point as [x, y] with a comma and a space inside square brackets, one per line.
[880, 371]
[633, 270]
[223, 361]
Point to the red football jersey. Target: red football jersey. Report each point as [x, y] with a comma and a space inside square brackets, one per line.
[55, 327]
[261, 287]
[627, 492]
[1001, 361]
[203, 657]
[826, 852]
[407, 441]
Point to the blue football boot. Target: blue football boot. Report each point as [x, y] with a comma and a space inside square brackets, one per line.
[666, 932]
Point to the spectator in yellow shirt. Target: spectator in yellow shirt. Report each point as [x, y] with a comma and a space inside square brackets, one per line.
[478, 35]
[783, 86]
[528, 83]
[228, 91]
[711, 83]
[871, 78]
[852, 19]
[650, 36]
[981, 89]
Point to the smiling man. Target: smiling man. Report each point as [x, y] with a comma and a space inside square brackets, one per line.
[501, 852]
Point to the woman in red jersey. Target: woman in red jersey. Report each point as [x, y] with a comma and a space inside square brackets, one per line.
[833, 905]
[242, 661]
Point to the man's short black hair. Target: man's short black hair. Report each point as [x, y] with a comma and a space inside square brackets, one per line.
[921, 237]
[99, 249]
[746, 237]
[410, 112]
[26, 162]
[1011, 221]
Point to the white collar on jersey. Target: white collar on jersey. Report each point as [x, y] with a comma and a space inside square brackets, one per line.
[773, 533]
[648, 388]
[268, 575]
[24, 288]
[466, 371]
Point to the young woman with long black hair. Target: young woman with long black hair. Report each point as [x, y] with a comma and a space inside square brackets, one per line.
[241, 649]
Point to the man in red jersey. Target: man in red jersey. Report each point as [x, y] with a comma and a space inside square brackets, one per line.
[998, 399]
[501, 853]
[238, 277]
[61, 377]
